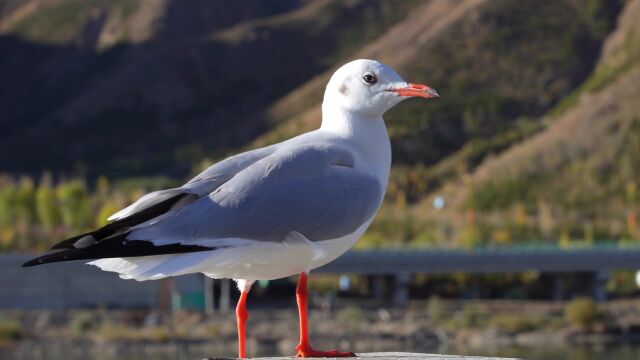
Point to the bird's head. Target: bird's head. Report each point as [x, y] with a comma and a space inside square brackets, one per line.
[370, 88]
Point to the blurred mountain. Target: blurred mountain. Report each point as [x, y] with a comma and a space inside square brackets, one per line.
[493, 60]
[128, 88]
[581, 170]
[537, 120]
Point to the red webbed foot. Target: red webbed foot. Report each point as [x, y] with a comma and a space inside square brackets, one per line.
[305, 351]
[304, 347]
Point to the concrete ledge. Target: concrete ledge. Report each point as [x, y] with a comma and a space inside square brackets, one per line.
[395, 356]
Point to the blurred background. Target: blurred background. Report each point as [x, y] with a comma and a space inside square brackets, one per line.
[510, 224]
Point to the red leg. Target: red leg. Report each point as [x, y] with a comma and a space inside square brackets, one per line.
[304, 347]
[241, 318]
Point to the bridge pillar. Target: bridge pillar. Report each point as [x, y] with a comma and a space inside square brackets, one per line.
[378, 286]
[559, 288]
[209, 295]
[225, 295]
[401, 283]
[600, 280]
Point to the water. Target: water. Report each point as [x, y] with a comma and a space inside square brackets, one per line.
[195, 352]
[610, 352]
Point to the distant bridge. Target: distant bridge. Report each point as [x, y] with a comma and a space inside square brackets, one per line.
[73, 284]
[487, 260]
[595, 261]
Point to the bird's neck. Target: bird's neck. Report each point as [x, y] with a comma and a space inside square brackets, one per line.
[368, 134]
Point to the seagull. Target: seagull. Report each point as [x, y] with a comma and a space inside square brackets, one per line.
[267, 213]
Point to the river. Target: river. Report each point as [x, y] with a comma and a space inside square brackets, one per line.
[197, 352]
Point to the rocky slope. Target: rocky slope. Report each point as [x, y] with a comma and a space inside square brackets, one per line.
[122, 88]
[126, 89]
[493, 61]
[578, 176]
[536, 133]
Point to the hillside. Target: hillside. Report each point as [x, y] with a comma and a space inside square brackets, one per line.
[493, 61]
[578, 177]
[178, 81]
[169, 82]
[535, 135]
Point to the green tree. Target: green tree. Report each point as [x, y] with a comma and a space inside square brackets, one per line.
[25, 201]
[46, 208]
[582, 312]
[108, 208]
[7, 202]
[7, 199]
[435, 310]
[103, 187]
[74, 204]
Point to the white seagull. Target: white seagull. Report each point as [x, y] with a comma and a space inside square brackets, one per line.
[268, 213]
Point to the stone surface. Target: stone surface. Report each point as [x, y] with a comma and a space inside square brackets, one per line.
[396, 356]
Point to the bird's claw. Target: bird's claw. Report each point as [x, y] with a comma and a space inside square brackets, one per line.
[307, 351]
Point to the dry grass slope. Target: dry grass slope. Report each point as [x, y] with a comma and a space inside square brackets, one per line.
[583, 167]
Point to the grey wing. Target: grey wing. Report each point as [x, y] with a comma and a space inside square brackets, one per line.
[226, 169]
[201, 185]
[312, 189]
[162, 203]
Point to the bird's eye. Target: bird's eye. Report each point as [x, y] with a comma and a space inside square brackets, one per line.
[369, 79]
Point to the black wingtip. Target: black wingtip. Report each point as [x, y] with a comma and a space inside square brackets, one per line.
[63, 245]
[120, 225]
[33, 262]
[58, 246]
[48, 258]
[114, 248]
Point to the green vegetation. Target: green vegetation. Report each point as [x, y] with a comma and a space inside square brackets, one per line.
[468, 319]
[503, 193]
[603, 76]
[545, 203]
[62, 21]
[397, 227]
[435, 310]
[10, 331]
[516, 59]
[472, 316]
[80, 323]
[582, 312]
[33, 216]
[351, 317]
[516, 323]
[111, 331]
[566, 190]
[502, 68]
[366, 22]
[103, 326]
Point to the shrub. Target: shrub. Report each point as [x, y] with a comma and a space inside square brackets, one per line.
[46, 209]
[351, 317]
[582, 312]
[10, 331]
[111, 331]
[212, 330]
[471, 316]
[25, 199]
[81, 322]
[435, 310]
[514, 324]
[74, 204]
[161, 334]
[7, 202]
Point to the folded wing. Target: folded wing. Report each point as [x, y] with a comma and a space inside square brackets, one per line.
[148, 208]
[314, 190]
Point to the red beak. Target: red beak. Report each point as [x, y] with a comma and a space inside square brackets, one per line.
[418, 90]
